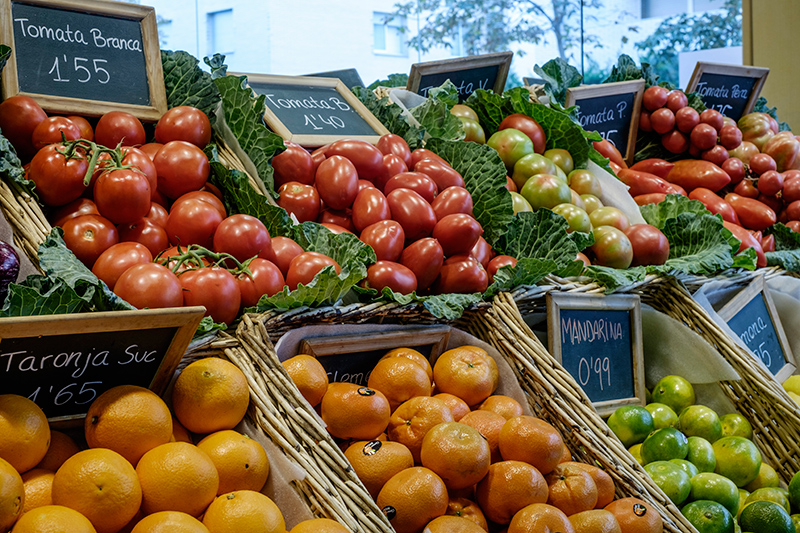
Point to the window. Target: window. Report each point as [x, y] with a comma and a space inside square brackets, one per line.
[388, 34]
[660, 8]
[220, 32]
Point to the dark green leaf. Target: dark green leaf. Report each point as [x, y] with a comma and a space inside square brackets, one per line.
[434, 114]
[11, 166]
[558, 76]
[343, 248]
[5, 53]
[187, 84]
[626, 70]
[762, 107]
[217, 65]
[542, 235]
[391, 116]
[674, 204]
[207, 325]
[698, 243]
[527, 271]
[614, 278]
[447, 306]
[393, 80]
[787, 248]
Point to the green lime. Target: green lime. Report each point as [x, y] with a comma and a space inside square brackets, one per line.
[664, 444]
[671, 479]
[769, 494]
[631, 424]
[743, 495]
[636, 452]
[663, 415]
[700, 421]
[734, 424]
[674, 391]
[648, 396]
[686, 466]
[701, 454]
[766, 517]
[794, 492]
[796, 521]
[708, 517]
[737, 459]
[767, 477]
[711, 486]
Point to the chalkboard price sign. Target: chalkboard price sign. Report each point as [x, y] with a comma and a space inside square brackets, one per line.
[468, 74]
[64, 363]
[752, 316]
[597, 339]
[349, 77]
[612, 110]
[84, 57]
[730, 89]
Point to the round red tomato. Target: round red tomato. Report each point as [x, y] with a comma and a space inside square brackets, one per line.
[425, 259]
[654, 97]
[386, 237]
[285, 250]
[611, 247]
[412, 212]
[369, 207]
[87, 132]
[158, 214]
[305, 266]
[457, 233]
[146, 232]
[118, 127]
[452, 200]
[337, 182]
[122, 195]
[151, 149]
[192, 221]
[650, 245]
[119, 258]
[335, 228]
[151, 286]
[394, 144]
[242, 236]
[137, 158]
[58, 181]
[182, 167]
[529, 127]
[367, 159]
[88, 236]
[214, 288]
[300, 200]
[497, 263]
[76, 208]
[397, 277]
[19, 116]
[293, 164]
[207, 197]
[184, 123]
[464, 277]
[265, 278]
[50, 129]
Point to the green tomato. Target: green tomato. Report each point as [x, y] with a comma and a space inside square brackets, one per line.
[512, 145]
[561, 158]
[591, 202]
[609, 216]
[473, 130]
[464, 111]
[612, 248]
[546, 190]
[519, 203]
[584, 182]
[576, 217]
[530, 165]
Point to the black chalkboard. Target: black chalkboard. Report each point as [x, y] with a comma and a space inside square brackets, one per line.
[468, 74]
[466, 81]
[730, 89]
[349, 77]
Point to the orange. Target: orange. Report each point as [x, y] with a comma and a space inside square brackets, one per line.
[177, 476]
[532, 440]
[53, 519]
[412, 498]
[169, 522]
[636, 516]
[467, 372]
[61, 448]
[180, 433]
[319, 525]
[24, 432]
[128, 528]
[566, 455]
[241, 462]
[595, 521]
[354, 412]
[399, 379]
[571, 489]
[414, 418]
[309, 376]
[129, 420]
[209, 395]
[540, 518]
[458, 453]
[468, 509]
[374, 462]
[489, 424]
[457, 406]
[38, 485]
[504, 406]
[12, 495]
[605, 485]
[414, 355]
[508, 487]
[101, 485]
[452, 524]
[244, 510]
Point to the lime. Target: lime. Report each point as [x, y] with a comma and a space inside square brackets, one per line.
[700, 421]
[792, 384]
[767, 477]
[671, 479]
[674, 391]
[663, 415]
[708, 517]
[769, 494]
[734, 424]
[648, 396]
[631, 424]
[686, 466]
[636, 452]
[743, 495]
[664, 444]
[701, 454]
[737, 459]
[711, 486]
[766, 517]
[796, 521]
[794, 492]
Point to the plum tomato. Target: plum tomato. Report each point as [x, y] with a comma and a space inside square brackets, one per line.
[88, 236]
[416, 181]
[146, 232]
[335, 217]
[760, 163]
[300, 200]
[337, 182]
[367, 159]
[149, 285]
[412, 212]
[76, 208]
[425, 258]
[50, 129]
[546, 190]
[713, 118]
[305, 266]
[182, 167]
[770, 182]
[122, 195]
[264, 278]
[285, 249]
[464, 277]
[772, 201]
[184, 123]
[686, 118]
[118, 258]
[676, 99]
[293, 164]
[192, 221]
[457, 233]
[703, 136]
[369, 207]
[397, 277]
[498, 262]
[119, 127]
[582, 181]
[609, 216]
[482, 252]
[473, 131]
[19, 116]
[452, 200]
[650, 245]
[421, 154]
[392, 165]
[214, 288]
[242, 236]
[386, 237]
[58, 180]
[747, 240]
[752, 213]
[334, 228]
[396, 145]
[512, 144]
[612, 248]
[529, 127]
[440, 172]
[663, 120]
[655, 97]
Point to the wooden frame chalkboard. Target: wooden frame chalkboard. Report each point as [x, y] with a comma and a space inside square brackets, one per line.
[621, 103]
[63, 362]
[349, 76]
[320, 125]
[461, 71]
[118, 73]
[751, 314]
[598, 329]
[710, 81]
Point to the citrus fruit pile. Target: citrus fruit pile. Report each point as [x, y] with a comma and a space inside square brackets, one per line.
[706, 464]
[439, 451]
[141, 471]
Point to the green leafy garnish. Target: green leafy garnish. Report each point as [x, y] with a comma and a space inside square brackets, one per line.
[558, 76]
[393, 80]
[614, 278]
[626, 70]
[187, 84]
[543, 235]
[787, 248]
[391, 116]
[434, 114]
[528, 271]
[762, 107]
[5, 53]
[447, 306]
[673, 205]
